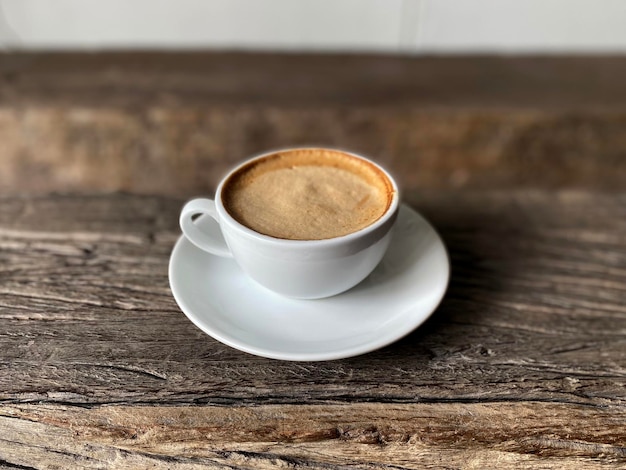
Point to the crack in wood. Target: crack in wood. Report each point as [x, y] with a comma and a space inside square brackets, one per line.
[7, 464]
[131, 369]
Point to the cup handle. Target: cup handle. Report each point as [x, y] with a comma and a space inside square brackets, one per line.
[210, 237]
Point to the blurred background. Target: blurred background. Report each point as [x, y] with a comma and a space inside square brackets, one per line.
[411, 26]
[164, 96]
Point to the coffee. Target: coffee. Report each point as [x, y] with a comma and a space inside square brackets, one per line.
[307, 194]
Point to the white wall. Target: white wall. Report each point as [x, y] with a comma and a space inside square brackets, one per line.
[417, 26]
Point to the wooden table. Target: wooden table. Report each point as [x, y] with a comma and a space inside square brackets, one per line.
[523, 365]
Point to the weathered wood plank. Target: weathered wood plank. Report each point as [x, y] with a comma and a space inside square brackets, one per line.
[536, 310]
[362, 436]
[131, 79]
[173, 123]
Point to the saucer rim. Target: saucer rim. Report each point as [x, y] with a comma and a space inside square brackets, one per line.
[336, 354]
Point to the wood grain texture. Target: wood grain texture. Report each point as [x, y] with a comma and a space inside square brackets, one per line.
[523, 365]
[365, 435]
[174, 123]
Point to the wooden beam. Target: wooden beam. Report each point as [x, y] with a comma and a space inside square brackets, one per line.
[173, 123]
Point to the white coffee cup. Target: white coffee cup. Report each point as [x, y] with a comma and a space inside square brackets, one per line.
[303, 269]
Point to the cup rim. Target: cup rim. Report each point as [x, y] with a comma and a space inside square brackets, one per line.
[225, 216]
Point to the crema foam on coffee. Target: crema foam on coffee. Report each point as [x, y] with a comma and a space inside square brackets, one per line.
[307, 194]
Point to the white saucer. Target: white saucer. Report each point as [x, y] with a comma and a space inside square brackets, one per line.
[401, 293]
